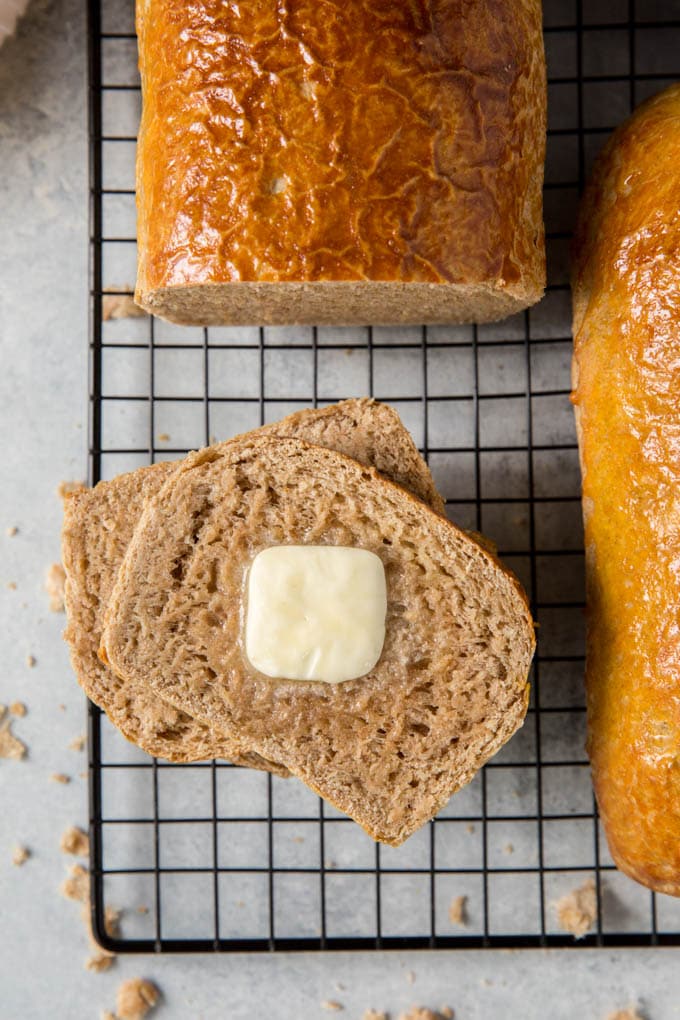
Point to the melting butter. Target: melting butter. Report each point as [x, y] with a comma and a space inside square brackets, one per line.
[315, 612]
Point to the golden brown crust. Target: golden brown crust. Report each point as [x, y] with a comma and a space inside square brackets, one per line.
[626, 376]
[322, 143]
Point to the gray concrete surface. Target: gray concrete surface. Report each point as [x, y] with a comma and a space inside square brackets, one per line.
[43, 425]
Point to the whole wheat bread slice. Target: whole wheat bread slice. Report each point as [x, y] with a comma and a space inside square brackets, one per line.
[98, 526]
[388, 749]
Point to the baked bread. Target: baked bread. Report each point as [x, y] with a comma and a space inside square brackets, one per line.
[349, 163]
[98, 526]
[389, 748]
[626, 378]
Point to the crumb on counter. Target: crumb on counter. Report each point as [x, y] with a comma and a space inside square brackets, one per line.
[20, 855]
[577, 911]
[508, 848]
[469, 828]
[99, 962]
[458, 911]
[142, 909]
[78, 743]
[135, 998]
[375, 1014]
[108, 1015]
[332, 1006]
[60, 777]
[410, 977]
[625, 1014]
[75, 841]
[77, 885]
[10, 746]
[54, 586]
[65, 489]
[446, 1012]
[12, 585]
[164, 437]
[112, 921]
[119, 305]
[11, 532]
[18, 708]
[31, 661]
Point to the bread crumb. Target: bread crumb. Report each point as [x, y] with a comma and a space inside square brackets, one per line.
[470, 828]
[18, 708]
[135, 998]
[446, 1012]
[142, 909]
[120, 305]
[112, 922]
[339, 987]
[11, 532]
[30, 661]
[164, 437]
[577, 911]
[410, 977]
[108, 1015]
[375, 1014]
[77, 885]
[54, 586]
[458, 911]
[75, 841]
[99, 962]
[332, 1006]
[101, 959]
[20, 855]
[12, 585]
[625, 1014]
[298, 839]
[508, 848]
[78, 743]
[10, 746]
[59, 777]
[65, 489]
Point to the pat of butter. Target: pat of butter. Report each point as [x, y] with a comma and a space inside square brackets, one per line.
[315, 612]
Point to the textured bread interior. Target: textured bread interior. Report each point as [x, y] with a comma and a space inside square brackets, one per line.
[99, 524]
[347, 304]
[388, 749]
[340, 162]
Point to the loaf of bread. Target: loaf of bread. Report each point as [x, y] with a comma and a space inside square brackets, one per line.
[99, 524]
[626, 379]
[355, 162]
[389, 749]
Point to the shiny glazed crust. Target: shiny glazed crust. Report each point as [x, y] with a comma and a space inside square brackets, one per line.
[313, 161]
[626, 376]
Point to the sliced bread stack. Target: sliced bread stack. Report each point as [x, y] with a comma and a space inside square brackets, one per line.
[156, 562]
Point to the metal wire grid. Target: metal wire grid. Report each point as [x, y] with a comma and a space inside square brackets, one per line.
[221, 858]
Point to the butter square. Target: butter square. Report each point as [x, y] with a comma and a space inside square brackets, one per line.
[315, 612]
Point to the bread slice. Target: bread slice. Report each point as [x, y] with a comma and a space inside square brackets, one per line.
[98, 526]
[388, 749]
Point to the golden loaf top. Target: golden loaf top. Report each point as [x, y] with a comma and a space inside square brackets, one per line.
[370, 144]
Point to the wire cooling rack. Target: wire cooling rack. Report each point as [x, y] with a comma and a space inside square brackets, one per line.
[212, 857]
